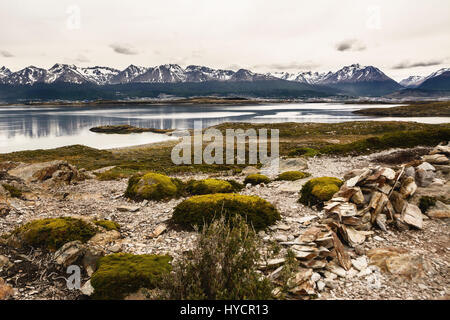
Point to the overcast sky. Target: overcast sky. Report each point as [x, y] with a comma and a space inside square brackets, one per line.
[401, 37]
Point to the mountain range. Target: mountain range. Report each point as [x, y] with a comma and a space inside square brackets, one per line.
[353, 80]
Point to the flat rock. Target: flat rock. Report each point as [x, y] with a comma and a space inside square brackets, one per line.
[439, 211]
[426, 166]
[436, 159]
[412, 216]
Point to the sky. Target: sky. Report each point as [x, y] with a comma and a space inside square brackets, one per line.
[401, 37]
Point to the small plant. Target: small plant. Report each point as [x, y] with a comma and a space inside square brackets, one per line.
[198, 210]
[13, 191]
[53, 233]
[108, 224]
[292, 175]
[152, 186]
[318, 190]
[120, 274]
[304, 152]
[222, 266]
[256, 178]
[426, 202]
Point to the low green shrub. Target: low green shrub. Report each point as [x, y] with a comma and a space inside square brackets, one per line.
[292, 175]
[153, 186]
[319, 190]
[223, 265]
[304, 152]
[256, 178]
[108, 224]
[198, 210]
[120, 274]
[53, 233]
[426, 202]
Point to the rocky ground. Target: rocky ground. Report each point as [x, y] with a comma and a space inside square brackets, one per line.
[145, 229]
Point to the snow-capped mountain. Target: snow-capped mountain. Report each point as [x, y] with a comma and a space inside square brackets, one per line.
[99, 75]
[302, 77]
[247, 75]
[168, 73]
[412, 81]
[202, 74]
[4, 73]
[26, 76]
[64, 73]
[355, 73]
[439, 80]
[128, 75]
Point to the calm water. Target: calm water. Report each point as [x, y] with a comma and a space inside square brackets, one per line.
[28, 128]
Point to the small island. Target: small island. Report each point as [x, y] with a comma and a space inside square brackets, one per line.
[419, 109]
[126, 129]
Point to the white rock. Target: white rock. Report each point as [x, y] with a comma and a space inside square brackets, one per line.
[315, 277]
[426, 166]
[87, 288]
[360, 263]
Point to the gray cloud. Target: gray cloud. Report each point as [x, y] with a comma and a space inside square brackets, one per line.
[6, 54]
[82, 58]
[123, 49]
[408, 65]
[350, 45]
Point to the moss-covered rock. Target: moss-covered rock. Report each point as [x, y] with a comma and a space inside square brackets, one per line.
[318, 190]
[198, 210]
[52, 233]
[108, 224]
[152, 186]
[207, 186]
[292, 175]
[14, 192]
[256, 178]
[120, 274]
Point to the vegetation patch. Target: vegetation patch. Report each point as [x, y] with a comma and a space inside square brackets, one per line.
[52, 233]
[304, 152]
[424, 109]
[222, 266]
[198, 210]
[318, 190]
[125, 129]
[108, 224]
[401, 139]
[292, 175]
[256, 178]
[426, 202]
[13, 191]
[207, 186]
[120, 274]
[152, 186]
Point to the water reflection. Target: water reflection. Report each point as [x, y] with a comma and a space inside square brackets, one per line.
[23, 128]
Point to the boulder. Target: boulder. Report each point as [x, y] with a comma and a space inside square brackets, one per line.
[439, 211]
[6, 290]
[426, 166]
[57, 171]
[397, 261]
[412, 215]
[436, 159]
[69, 253]
[424, 177]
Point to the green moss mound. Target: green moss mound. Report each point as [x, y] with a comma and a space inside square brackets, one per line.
[120, 274]
[318, 190]
[292, 175]
[152, 186]
[256, 178]
[198, 210]
[108, 224]
[304, 152]
[53, 233]
[207, 186]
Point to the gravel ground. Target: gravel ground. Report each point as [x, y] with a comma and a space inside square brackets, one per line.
[101, 199]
